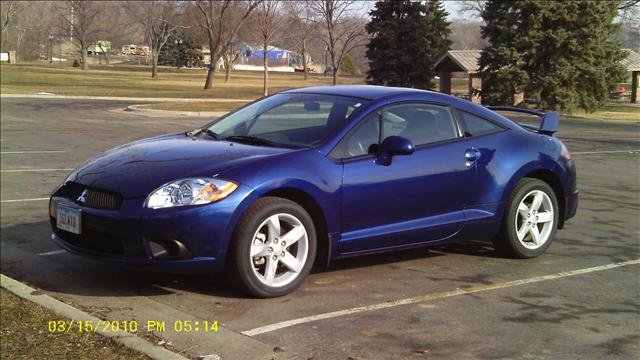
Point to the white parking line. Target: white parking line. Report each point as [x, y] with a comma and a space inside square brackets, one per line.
[54, 252]
[433, 296]
[33, 152]
[23, 200]
[32, 170]
[604, 152]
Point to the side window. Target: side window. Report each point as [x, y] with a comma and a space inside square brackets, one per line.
[477, 125]
[421, 123]
[362, 140]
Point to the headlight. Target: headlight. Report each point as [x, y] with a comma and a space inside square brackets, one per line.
[192, 191]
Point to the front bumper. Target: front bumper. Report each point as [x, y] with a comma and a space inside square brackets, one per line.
[131, 234]
[192, 265]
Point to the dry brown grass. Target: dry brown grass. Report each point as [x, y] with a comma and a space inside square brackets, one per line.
[134, 81]
[25, 335]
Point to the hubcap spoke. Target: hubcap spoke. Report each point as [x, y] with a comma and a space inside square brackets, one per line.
[523, 210]
[522, 232]
[537, 201]
[535, 234]
[270, 270]
[291, 262]
[259, 250]
[545, 217]
[273, 225]
[293, 235]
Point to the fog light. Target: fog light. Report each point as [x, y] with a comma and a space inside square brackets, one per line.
[168, 249]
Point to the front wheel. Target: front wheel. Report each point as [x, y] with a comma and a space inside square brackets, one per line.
[530, 221]
[273, 249]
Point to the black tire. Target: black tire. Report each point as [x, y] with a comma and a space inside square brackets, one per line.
[240, 266]
[507, 243]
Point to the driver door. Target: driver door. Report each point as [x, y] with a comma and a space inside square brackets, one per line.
[418, 198]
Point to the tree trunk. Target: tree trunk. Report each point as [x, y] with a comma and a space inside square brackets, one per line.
[265, 64]
[212, 68]
[85, 64]
[227, 69]
[335, 75]
[304, 61]
[154, 65]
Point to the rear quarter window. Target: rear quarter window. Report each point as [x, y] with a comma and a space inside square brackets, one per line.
[476, 125]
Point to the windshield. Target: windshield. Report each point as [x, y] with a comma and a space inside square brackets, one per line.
[289, 120]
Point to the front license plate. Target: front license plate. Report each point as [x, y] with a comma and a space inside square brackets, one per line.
[68, 219]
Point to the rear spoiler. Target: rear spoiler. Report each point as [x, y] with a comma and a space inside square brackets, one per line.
[550, 121]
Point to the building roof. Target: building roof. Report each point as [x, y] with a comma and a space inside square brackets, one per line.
[631, 61]
[459, 60]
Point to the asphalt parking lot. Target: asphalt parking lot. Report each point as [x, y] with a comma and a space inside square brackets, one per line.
[458, 301]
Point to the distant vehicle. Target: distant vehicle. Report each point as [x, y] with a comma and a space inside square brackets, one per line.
[133, 49]
[99, 47]
[315, 174]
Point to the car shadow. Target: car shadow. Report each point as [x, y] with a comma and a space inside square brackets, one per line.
[67, 273]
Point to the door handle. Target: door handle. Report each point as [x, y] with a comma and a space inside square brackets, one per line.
[472, 154]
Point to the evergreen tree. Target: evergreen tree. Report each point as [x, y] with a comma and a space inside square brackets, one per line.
[407, 38]
[563, 52]
[348, 65]
[181, 49]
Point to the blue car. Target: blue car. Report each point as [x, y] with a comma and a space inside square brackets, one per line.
[315, 174]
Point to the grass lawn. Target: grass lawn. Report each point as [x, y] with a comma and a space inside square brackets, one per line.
[135, 81]
[25, 335]
[612, 111]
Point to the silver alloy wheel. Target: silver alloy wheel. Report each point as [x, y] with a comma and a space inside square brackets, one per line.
[279, 250]
[534, 220]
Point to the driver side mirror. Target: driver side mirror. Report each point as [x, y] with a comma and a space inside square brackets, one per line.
[391, 146]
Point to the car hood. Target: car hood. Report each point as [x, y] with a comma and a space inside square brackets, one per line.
[138, 168]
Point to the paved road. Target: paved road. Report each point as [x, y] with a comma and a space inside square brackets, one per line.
[460, 301]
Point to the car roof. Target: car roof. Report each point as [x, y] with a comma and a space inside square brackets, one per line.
[368, 92]
[376, 92]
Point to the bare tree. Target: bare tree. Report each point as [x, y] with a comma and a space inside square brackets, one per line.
[267, 27]
[301, 26]
[466, 35]
[473, 7]
[228, 58]
[215, 19]
[343, 30]
[8, 10]
[160, 19]
[82, 18]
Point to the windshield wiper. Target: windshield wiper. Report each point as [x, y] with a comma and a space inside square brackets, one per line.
[251, 140]
[211, 133]
[206, 131]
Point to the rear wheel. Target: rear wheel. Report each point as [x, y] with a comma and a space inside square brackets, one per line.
[531, 220]
[273, 248]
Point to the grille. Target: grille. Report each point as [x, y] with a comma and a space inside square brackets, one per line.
[93, 198]
[101, 200]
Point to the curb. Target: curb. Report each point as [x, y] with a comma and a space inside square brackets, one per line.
[120, 98]
[140, 110]
[125, 338]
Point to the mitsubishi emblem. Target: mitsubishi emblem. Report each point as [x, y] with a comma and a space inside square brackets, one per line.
[83, 197]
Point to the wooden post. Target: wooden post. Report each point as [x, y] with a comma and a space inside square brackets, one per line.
[475, 83]
[634, 86]
[445, 82]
